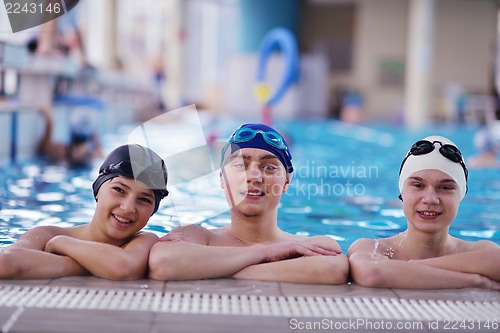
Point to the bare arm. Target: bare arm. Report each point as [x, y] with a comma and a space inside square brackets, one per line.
[192, 258]
[55, 151]
[46, 141]
[97, 143]
[484, 260]
[25, 259]
[324, 269]
[108, 261]
[371, 268]
[18, 263]
[316, 270]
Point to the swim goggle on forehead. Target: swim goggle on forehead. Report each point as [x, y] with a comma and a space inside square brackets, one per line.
[246, 134]
[151, 175]
[451, 152]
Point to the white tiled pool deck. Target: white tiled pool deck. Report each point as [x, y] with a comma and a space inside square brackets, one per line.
[88, 304]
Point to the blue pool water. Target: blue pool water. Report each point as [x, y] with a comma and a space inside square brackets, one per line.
[345, 186]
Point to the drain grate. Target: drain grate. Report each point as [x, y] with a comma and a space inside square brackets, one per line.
[259, 305]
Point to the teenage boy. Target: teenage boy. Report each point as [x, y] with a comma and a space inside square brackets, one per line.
[256, 170]
[432, 182]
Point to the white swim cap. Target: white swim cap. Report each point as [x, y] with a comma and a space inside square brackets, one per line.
[435, 160]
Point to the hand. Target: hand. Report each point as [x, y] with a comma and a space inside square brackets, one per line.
[488, 283]
[51, 245]
[176, 237]
[289, 250]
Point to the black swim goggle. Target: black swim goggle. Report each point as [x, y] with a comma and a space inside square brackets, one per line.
[451, 152]
[154, 175]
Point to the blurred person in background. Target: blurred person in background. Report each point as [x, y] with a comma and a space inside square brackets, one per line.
[486, 144]
[83, 145]
[60, 37]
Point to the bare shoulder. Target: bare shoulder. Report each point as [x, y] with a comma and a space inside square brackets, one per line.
[142, 239]
[37, 237]
[46, 231]
[146, 236]
[368, 245]
[190, 233]
[480, 245]
[323, 240]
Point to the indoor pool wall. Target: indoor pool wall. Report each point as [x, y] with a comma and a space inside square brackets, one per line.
[345, 186]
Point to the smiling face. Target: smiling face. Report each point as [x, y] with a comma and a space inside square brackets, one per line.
[254, 181]
[123, 208]
[430, 200]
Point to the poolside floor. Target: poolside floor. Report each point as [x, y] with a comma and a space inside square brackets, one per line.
[89, 304]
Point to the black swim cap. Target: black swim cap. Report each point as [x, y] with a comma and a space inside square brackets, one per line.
[136, 162]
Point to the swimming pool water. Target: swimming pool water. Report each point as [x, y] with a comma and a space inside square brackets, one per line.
[344, 186]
